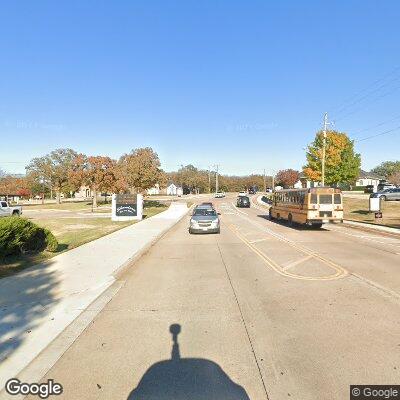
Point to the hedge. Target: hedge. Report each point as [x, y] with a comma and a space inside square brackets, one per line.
[18, 235]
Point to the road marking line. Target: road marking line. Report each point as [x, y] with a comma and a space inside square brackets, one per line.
[377, 286]
[340, 271]
[297, 262]
[257, 240]
[370, 238]
[238, 211]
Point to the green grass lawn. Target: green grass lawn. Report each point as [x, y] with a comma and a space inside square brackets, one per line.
[72, 232]
[358, 210]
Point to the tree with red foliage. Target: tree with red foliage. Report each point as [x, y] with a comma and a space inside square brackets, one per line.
[287, 177]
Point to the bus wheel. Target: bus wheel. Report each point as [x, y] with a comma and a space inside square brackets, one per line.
[290, 219]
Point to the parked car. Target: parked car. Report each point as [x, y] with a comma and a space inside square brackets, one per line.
[243, 201]
[204, 220]
[383, 186]
[388, 194]
[6, 210]
[369, 189]
[219, 195]
[242, 194]
[252, 191]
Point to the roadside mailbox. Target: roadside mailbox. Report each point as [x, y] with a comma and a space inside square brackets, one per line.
[126, 207]
[374, 204]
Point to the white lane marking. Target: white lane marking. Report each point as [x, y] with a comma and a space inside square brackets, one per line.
[376, 285]
[297, 262]
[238, 211]
[370, 238]
[257, 240]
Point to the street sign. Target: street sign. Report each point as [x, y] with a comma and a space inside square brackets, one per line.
[126, 207]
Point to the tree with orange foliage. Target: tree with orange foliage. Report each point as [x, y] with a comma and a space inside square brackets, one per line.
[99, 173]
[342, 164]
[141, 167]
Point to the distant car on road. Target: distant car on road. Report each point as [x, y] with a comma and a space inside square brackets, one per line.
[242, 194]
[204, 220]
[6, 210]
[388, 194]
[219, 195]
[369, 189]
[243, 201]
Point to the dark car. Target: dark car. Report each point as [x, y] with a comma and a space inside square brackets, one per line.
[369, 189]
[243, 201]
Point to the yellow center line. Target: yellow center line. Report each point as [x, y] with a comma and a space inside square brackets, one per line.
[340, 271]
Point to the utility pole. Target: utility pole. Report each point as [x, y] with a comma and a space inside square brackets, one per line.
[216, 177]
[326, 123]
[209, 179]
[265, 182]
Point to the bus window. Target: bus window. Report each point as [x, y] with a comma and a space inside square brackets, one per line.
[313, 199]
[325, 199]
[337, 198]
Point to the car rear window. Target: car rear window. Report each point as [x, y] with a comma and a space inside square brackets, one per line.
[204, 212]
[325, 199]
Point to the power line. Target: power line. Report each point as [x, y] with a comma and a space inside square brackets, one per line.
[378, 125]
[367, 95]
[376, 98]
[345, 103]
[378, 134]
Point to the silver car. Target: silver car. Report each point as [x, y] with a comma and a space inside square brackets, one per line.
[388, 194]
[204, 220]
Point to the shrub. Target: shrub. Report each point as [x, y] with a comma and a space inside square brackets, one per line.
[18, 235]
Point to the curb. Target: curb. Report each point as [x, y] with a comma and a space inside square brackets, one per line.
[371, 227]
[48, 357]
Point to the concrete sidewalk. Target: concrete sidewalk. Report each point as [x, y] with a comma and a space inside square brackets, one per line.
[38, 304]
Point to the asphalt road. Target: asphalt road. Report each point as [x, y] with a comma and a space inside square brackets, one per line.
[261, 311]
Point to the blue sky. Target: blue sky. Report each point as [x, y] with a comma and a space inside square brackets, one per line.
[240, 83]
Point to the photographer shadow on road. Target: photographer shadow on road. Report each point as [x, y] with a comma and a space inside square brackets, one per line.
[186, 378]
